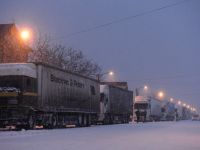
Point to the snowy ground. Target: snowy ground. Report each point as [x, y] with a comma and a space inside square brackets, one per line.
[183, 135]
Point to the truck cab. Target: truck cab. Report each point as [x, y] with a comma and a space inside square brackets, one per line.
[142, 105]
[17, 93]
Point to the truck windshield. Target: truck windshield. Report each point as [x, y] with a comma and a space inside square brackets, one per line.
[140, 105]
[11, 81]
[23, 83]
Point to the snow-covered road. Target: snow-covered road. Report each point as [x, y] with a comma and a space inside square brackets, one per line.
[183, 135]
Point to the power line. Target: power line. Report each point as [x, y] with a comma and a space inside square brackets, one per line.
[121, 20]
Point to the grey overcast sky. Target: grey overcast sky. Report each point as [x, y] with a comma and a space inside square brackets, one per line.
[161, 49]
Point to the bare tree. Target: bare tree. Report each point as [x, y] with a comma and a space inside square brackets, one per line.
[63, 57]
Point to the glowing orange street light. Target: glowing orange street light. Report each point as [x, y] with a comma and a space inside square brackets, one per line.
[160, 94]
[25, 34]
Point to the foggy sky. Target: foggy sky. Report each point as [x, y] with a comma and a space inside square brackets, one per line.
[161, 49]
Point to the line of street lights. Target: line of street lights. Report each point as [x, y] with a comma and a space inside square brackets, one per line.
[161, 95]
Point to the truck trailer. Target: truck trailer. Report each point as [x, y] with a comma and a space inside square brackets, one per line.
[38, 95]
[116, 104]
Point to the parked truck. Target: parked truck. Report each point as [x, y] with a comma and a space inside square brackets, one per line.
[39, 95]
[141, 106]
[116, 104]
[150, 109]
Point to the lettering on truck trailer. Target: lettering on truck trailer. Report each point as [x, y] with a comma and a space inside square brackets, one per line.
[70, 82]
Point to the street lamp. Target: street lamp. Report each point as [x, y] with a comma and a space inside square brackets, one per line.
[25, 34]
[145, 87]
[160, 94]
[171, 100]
[188, 106]
[100, 75]
[111, 73]
[24, 37]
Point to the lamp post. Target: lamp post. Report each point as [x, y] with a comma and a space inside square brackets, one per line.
[171, 100]
[25, 37]
[145, 87]
[98, 76]
[161, 94]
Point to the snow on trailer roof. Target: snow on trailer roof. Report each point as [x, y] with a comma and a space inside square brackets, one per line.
[67, 71]
[29, 69]
[25, 69]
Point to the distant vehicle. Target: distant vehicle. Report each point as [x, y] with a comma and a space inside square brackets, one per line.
[179, 111]
[168, 111]
[196, 117]
[141, 104]
[156, 110]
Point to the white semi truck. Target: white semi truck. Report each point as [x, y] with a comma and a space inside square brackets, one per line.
[149, 106]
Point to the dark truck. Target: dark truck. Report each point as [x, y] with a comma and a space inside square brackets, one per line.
[38, 95]
[116, 104]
